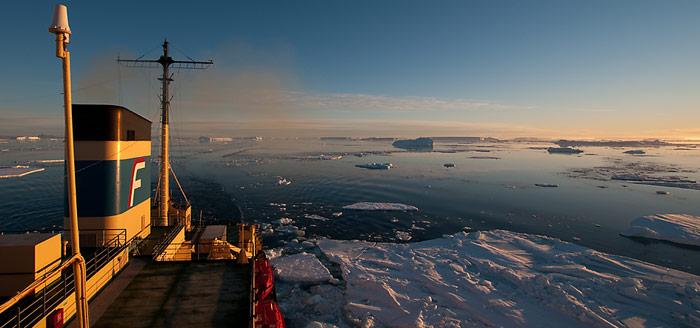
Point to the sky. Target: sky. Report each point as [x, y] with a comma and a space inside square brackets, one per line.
[555, 69]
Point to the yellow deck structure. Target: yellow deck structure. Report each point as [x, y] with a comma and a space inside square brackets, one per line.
[25, 258]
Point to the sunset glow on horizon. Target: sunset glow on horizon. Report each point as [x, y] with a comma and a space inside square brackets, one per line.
[588, 69]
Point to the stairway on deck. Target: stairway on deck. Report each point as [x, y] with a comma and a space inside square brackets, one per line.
[184, 253]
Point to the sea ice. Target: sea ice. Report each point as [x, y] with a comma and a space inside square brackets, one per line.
[505, 279]
[646, 173]
[324, 157]
[17, 171]
[677, 228]
[373, 206]
[302, 268]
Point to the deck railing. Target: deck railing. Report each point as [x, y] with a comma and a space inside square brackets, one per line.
[160, 248]
[31, 309]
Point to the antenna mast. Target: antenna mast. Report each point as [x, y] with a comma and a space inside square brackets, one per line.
[166, 62]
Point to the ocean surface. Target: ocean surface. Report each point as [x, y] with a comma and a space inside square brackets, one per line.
[491, 186]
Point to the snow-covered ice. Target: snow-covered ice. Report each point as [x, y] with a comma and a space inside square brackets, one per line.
[488, 279]
[301, 267]
[677, 228]
[372, 206]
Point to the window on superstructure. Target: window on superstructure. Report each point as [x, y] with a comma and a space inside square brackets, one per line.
[130, 135]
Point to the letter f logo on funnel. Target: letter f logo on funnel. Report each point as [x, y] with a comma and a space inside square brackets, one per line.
[139, 163]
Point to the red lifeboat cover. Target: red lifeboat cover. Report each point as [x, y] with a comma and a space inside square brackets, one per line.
[264, 279]
[268, 315]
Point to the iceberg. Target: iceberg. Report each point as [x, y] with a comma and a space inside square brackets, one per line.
[414, 144]
[499, 279]
[372, 206]
[676, 228]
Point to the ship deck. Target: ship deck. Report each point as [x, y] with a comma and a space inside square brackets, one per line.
[182, 294]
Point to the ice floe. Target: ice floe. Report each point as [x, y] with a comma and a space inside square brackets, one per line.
[375, 166]
[484, 157]
[485, 279]
[403, 235]
[324, 157]
[676, 228]
[374, 206]
[291, 230]
[18, 171]
[301, 267]
[316, 217]
[283, 221]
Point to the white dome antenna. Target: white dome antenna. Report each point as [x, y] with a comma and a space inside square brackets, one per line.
[60, 21]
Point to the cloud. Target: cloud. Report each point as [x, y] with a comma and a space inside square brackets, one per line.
[362, 128]
[276, 95]
[592, 110]
[357, 101]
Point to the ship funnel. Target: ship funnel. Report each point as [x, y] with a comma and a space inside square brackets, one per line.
[60, 20]
[113, 173]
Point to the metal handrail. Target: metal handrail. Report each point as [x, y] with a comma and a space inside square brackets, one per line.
[29, 309]
[163, 245]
